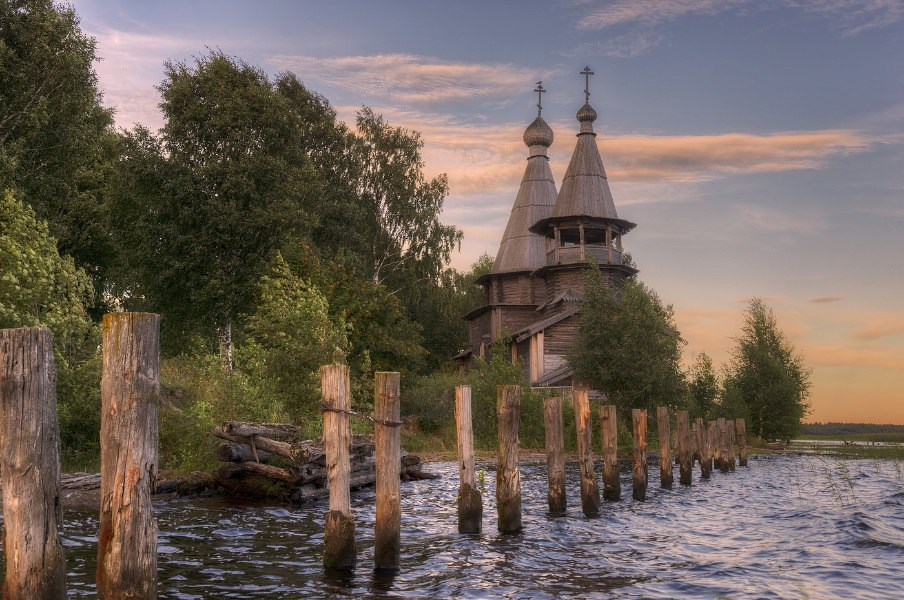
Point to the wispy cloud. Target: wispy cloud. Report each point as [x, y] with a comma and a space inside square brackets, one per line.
[825, 299]
[880, 327]
[412, 79]
[643, 18]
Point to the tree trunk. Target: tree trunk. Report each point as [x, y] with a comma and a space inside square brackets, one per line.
[130, 389]
[30, 462]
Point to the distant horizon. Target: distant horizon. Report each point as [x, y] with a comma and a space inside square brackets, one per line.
[758, 146]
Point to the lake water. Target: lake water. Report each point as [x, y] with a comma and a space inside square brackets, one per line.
[786, 527]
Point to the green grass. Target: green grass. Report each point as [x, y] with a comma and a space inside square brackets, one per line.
[851, 451]
[858, 437]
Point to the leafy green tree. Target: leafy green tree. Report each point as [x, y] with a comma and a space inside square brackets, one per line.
[407, 240]
[703, 386]
[200, 210]
[290, 335]
[768, 375]
[628, 346]
[38, 287]
[56, 140]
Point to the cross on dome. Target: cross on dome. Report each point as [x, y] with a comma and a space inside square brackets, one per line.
[587, 73]
[540, 91]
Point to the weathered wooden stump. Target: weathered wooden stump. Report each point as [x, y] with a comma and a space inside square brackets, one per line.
[665, 453]
[741, 427]
[706, 461]
[555, 454]
[470, 502]
[388, 455]
[130, 390]
[590, 491]
[609, 432]
[30, 463]
[639, 417]
[685, 458]
[722, 427]
[508, 476]
[339, 532]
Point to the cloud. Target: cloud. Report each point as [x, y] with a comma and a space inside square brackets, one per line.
[780, 221]
[825, 299]
[650, 12]
[626, 45]
[880, 327]
[411, 79]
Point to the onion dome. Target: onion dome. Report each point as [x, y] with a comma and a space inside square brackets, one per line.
[586, 114]
[538, 133]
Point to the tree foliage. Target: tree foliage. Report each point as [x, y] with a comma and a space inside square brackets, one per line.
[201, 209]
[628, 346]
[703, 387]
[56, 139]
[768, 376]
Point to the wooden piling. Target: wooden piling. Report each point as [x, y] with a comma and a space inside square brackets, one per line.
[741, 427]
[732, 444]
[609, 432]
[685, 458]
[130, 391]
[30, 463]
[665, 451]
[508, 477]
[470, 502]
[590, 491]
[706, 461]
[339, 531]
[722, 430]
[555, 454]
[639, 417]
[388, 461]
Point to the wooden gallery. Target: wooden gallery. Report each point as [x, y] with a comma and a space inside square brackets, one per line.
[534, 291]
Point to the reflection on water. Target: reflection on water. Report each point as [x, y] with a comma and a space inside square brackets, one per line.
[786, 527]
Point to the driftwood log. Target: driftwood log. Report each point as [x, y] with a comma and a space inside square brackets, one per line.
[296, 469]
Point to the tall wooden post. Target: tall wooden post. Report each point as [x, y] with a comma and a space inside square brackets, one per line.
[639, 417]
[685, 458]
[130, 391]
[470, 503]
[665, 451]
[508, 477]
[732, 444]
[339, 531]
[741, 427]
[388, 455]
[555, 454]
[609, 431]
[30, 463]
[722, 428]
[712, 441]
[590, 491]
[706, 461]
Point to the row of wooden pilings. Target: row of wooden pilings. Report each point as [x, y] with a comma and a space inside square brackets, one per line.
[716, 442]
[30, 463]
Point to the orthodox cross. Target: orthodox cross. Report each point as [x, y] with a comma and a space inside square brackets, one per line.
[540, 91]
[587, 73]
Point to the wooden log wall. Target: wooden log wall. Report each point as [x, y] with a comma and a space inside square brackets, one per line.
[590, 492]
[30, 463]
[508, 475]
[665, 451]
[470, 502]
[130, 390]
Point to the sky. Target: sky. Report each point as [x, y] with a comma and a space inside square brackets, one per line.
[758, 144]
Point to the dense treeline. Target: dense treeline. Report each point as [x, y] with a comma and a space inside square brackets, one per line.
[842, 429]
[273, 238]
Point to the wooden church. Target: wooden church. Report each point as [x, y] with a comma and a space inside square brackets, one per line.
[534, 291]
